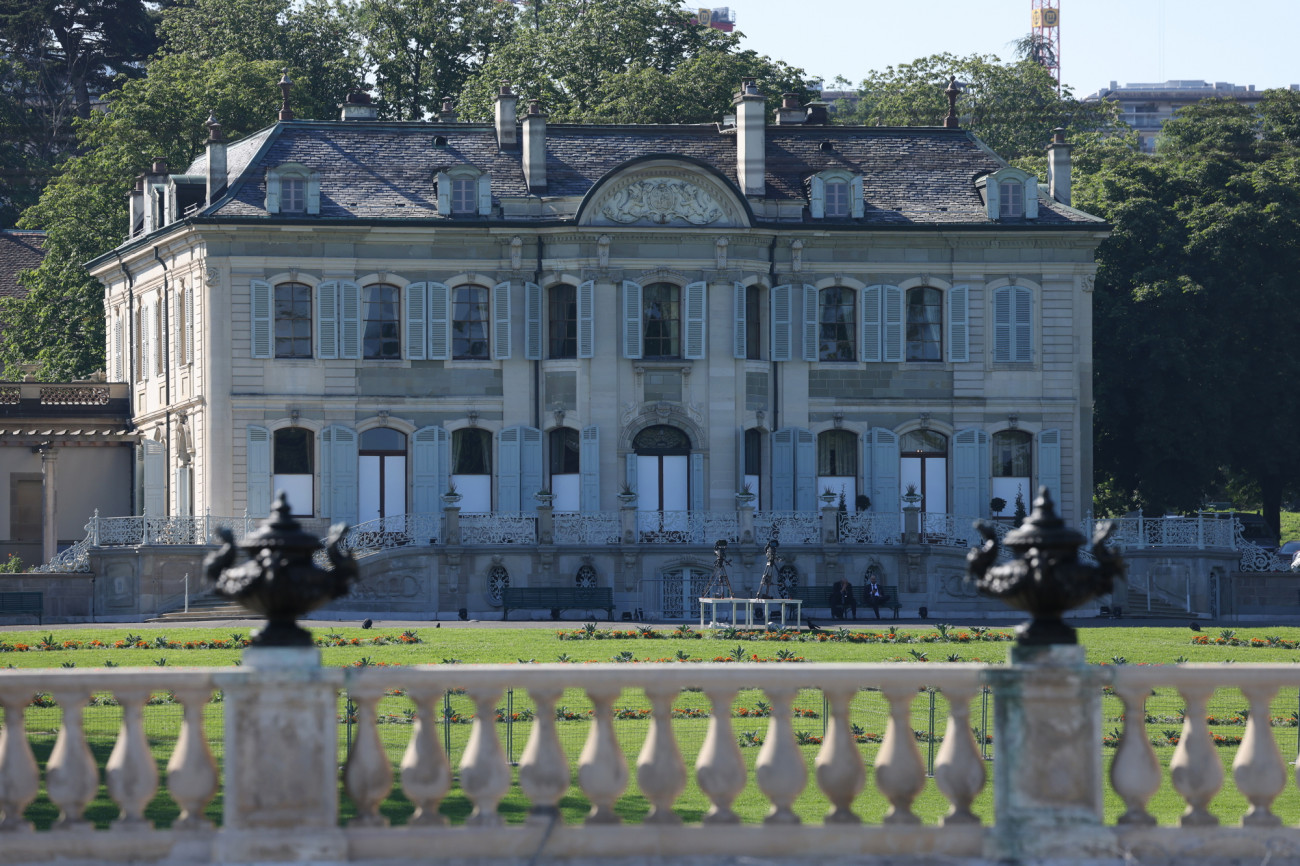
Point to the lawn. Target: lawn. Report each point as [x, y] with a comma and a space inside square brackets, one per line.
[912, 645]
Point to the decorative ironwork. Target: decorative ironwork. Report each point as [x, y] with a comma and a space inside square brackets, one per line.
[400, 530]
[596, 527]
[1174, 532]
[586, 577]
[74, 395]
[869, 527]
[680, 593]
[792, 527]
[787, 579]
[73, 560]
[498, 528]
[687, 527]
[498, 581]
[661, 439]
[10, 395]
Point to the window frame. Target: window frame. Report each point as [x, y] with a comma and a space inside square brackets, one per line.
[849, 326]
[457, 319]
[569, 320]
[275, 178]
[670, 326]
[309, 319]
[937, 323]
[395, 322]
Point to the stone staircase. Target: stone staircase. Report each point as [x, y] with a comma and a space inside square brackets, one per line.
[1160, 609]
[206, 607]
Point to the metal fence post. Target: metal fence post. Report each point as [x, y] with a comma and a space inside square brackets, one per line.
[984, 723]
[446, 724]
[929, 756]
[510, 726]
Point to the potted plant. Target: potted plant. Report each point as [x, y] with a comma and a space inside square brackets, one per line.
[544, 496]
[452, 496]
[746, 494]
[997, 504]
[828, 497]
[910, 496]
[626, 494]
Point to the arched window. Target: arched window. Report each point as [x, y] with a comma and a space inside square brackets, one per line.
[662, 469]
[924, 324]
[662, 316]
[292, 468]
[380, 339]
[562, 321]
[562, 445]
[469, 327]
[382, 475]
[498, 581]
[471, 462]
[1012, 453]
[586, 577]
[838, 324]
[837, 465]
[924, 462]
[293, 320]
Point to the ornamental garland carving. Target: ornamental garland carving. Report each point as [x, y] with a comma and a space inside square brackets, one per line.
[662, 200]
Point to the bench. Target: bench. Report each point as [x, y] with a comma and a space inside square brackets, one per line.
[819, 598]
[23, 603]
[556, 599]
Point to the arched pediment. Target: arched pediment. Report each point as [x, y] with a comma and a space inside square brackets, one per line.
[664, 191]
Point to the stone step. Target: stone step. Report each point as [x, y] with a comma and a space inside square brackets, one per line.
[1159, 608]
[206, 607]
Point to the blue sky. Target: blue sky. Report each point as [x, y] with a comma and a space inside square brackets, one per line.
[1101, 40]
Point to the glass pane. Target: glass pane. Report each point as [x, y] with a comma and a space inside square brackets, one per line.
[1011, 454]
[661, 317]
[383, 439]
[469, 329]
[837, 454]
[564, 451]
[837, 319]
[562, 321]
[293, 451]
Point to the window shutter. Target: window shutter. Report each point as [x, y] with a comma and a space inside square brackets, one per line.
[959, 326]
[313, 193]
[892, 313]
[696, 296]
[782, 322]
[342, 490]
[629, 473]
[532, 321]
[871, 323]
[349, 320]
[856, 206]
[272, 191]
[147, 341]
[444, 194]
[817, 197]
[258, 471]
[1031, 198]
[1049, 466]
[805, 470]
[430, 451]
[810, 323]
[587, 319]
[327, 473]
[966, 468]
[783, 470]
[439, 323]
[992, 199]
[155, 470]
[589, 467]
[189, 326]
[417, 326]
[884, 471]
[1022, 338]
[484, 194]
[738, 345]
[183, 497]
[982, 477]
[530, 467]
[260, 310]
[1002, 325]
[631, 320]
[508, 470]
[327, 319]
[118, 372]
[698, 499]
[501, 321]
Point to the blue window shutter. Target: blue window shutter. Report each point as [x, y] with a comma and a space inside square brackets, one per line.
[966, 468]
[884, 471]
[783, 469]
[892, 313]
[805, 470]
[327, 320]
[810, 299]
[631, 320]
[501, 321]
[260, 303]
[959, 325]
[1024, 325]
[272, 191]
[258, 469]
[343, 462]
[532, 322]
[738, 346]
[629, 474]
[484, 194]
[587, 319]
[864, 445]
[313, 193]
[1049, 466]
[508, 469]
[856, 206]
[430, 451]
[444, 194]
[699, 500]
[696, 296]
[327, 473]
[1031, 198]
[530, 467]
[871, 323]
[782, 322]
[985, 468]
[439, 323]
[155, 471]
[349, 320]
[817, 197]
[417, 324]
[589, 467]
[1002, 325]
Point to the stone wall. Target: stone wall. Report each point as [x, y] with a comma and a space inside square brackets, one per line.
[67, 597]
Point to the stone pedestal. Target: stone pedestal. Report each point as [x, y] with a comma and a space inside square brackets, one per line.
[1047, 778]
[911, 524]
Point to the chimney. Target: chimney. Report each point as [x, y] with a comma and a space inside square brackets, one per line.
[818, 113]
[751, 137]
[136, 199]
[286, 113]
[535, 148]
[507, 135]
[154, 211]
[216, 158]
[448, 113]
[790, 111]
[1058, 166]
[357, 106]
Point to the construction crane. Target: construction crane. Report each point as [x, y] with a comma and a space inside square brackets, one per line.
[1045, 46]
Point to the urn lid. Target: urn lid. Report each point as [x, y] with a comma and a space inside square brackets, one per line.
[1043, 528]
[281, 532]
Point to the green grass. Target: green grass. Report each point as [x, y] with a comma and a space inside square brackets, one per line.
[1290, 521]
[1104, 645]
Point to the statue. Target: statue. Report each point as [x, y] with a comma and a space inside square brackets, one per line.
[1045, 578]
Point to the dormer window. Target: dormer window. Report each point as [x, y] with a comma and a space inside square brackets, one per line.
[463, 196]
[464, 191]
[837, 199]
[293, 195]
[835, 194]
[292, 188]
[1009, 193]
[1011, 199]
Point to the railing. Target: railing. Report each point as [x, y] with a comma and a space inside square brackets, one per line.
[385, 533]
[870, 527]
[171, 529]
[1173, 590]
[790, 527]
[1198, 533]
[687, 527]
[498, 527]
[597, 527]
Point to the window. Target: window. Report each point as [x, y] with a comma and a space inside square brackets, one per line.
[1011, 199]
[562, 322]
[463, 195]
[837, 464]
[159, 346]
[836, 320]
[924, 324]
[753, 323]
[924, 463]
[471, 468]
[1012, 325]
[469, 327]
[293, 195]
[837, 199]
[382, 464]
[293, 320]
[563, 458]
[292, 467]
[464, 191]
[292, 188]
[662, 311]
[380, 340]
[1009, 193]
[1012, 453]
[835, 193]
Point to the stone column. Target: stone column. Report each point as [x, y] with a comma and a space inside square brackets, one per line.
[49, 508]
[911, 524]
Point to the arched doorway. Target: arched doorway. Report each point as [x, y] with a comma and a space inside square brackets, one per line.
[382, 482]
[663, 457]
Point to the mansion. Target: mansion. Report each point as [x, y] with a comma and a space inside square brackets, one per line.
[529, 354]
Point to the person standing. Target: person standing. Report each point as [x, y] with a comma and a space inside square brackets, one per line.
[842, 599]
[874, 595]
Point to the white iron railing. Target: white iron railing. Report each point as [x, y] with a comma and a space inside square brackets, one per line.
[586, 528]
[789, 527]
[687, 527]
[498, 527]
[870, 527]
[385, 533]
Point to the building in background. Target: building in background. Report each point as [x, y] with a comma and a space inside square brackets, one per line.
[1147, 106]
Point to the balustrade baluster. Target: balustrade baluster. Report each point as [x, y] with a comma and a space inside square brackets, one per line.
[131, 775]
[660, 770]
[900, 772]
[840, 772]
[367, 776]
[720, 769]
[602, 768]
[958, 769]
[426, 772]
[780, 769]
[1258, 769]
[1196, 771]
[543, 768]
[484, 773]
[1135, 772]
[192, 773]
[71, 777]
[20, 777]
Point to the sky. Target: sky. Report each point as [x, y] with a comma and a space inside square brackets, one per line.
[1102, 41]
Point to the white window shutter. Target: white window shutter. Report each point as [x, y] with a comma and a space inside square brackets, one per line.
[189, 325]
[739, 349]
[587, 319]
[260, 310]
[1022, 336]
[817, 197]
[257, 498]
[430, 451]
[327, 473]
[985, 468]
[340, 493]
[696, 342]
[155, 472]
[508, 470]
[1049, 466]
[349, 320]
[783, 469]
[532, 322]
[959, 325]
[856, 206]
[698, 500]
[313, 193]
[892, 313]
[1031, 198]
[272, 191]
[118, 372]
[417, 325]
[327, 319]
[501, 321]
[1002, 325]
[993, 201]
[782, 322]
[439, 322]
[810, 323]
[632, 332]
[871, 347]
[484, 194]
[966, 468]
[805, 470]
[589, 467]
[884, 471]
[146, 342]
[530, 467]
[184, 480]
[444, 194]
[865, 452]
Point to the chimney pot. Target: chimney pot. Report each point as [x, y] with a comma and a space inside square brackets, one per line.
[1058, 167]
[159, 167]
[534, 156]
[790, 111]
[751, 138]
[214, 128]
[357, 105]
[286, 113]
[216, 159]
[448, 113]
[506, 118]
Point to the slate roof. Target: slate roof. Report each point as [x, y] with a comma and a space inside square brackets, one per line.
[19, 251]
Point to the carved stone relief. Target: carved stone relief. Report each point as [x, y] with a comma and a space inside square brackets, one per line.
[661, 200]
